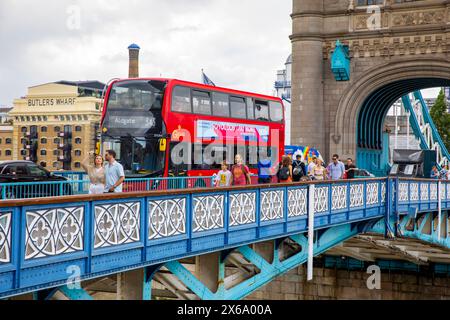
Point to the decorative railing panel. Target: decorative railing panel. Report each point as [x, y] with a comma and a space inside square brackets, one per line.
[339, 197]
[166, 218]
[242, 208]
[5, 237]
[53, 231]
[297, 202]
[208, 213]
[117, 224]
[356, 195]
[272, 205]
[321, 202]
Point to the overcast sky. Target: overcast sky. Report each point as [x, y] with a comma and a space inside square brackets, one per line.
[239, 43]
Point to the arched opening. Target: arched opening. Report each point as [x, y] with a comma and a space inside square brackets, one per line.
[372, 140]
[359, 122]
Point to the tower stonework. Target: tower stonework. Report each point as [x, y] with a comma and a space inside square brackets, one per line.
[392, 42]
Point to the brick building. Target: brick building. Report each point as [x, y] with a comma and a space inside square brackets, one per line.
[54, 125]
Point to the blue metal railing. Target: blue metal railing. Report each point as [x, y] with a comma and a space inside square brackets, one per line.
[27, 190]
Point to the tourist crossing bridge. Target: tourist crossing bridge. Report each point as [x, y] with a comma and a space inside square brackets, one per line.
[213, 243]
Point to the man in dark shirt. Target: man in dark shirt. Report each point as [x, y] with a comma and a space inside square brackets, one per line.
[299, 169]
[350, 169]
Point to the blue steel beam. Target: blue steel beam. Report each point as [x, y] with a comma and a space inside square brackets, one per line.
[268, 271]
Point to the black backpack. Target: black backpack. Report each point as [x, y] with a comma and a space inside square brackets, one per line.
[284, 173]
[298, 168]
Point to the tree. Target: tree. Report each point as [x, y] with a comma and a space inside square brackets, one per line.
[441, 118]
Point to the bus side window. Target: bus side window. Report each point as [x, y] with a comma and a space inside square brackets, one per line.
[221, 107]
[181, 100]
[238, 108]
[261, 110]
[276, 111]
[201, 101]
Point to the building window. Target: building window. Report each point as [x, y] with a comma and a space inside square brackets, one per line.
[28, 118]
[0, 141]
[44, 129]
[56, 165]
[57, 141]
[43, 164]
[78, 128]
[77, 165]
[57, 129]
[361, 3]
[85, 118]
[78, 141]
[8, 141]
[43, 141]
[23, 129]
[24, 141]
[45, 118]
[23, 152]
[56, 152]
[78, 153]
[43, 152]
[8, 153]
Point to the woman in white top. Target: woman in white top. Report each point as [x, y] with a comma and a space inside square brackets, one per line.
[96, 173]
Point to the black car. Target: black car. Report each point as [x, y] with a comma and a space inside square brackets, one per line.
[19, 177]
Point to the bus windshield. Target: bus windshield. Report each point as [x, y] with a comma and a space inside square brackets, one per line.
[134, 108]
[139, 157]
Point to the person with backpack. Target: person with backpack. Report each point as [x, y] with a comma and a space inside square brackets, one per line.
[298, 169]
[285, 173]
[264, 171]
[240, 173]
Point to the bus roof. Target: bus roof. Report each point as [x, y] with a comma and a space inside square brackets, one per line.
[174, 82]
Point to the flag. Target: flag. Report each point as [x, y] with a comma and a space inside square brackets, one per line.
[207, 80]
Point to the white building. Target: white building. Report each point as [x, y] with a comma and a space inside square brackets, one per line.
[283, 91]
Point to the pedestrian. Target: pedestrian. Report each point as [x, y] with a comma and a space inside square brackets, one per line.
[319, 171]
[285, 173]
[264, 171]
[434, 173]
[240, 173]
[95, 172]
[336, 169]
[223, 178]
[298, 169]
[350, 169]
[114, 173]
[311, 166]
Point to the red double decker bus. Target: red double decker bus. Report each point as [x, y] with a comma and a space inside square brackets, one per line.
[167, 127]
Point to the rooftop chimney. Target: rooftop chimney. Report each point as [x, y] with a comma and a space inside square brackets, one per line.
[134, 61]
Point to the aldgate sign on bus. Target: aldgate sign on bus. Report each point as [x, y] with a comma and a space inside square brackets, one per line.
[51, 102]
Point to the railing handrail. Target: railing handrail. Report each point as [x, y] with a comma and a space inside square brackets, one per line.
[153, 193]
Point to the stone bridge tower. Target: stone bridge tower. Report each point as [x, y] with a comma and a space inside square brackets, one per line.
[396, 47]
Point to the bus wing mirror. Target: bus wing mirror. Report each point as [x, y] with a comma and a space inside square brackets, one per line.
[163, 145]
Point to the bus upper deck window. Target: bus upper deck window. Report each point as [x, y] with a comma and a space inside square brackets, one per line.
[201, 102]
[221, 106]
[261, 110]
[238, 107]
[276, 111]
[181, 100]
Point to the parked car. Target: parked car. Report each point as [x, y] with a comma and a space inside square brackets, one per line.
[363, 174]
[16, 178]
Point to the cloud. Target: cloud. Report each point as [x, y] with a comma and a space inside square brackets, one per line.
[240, 44]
